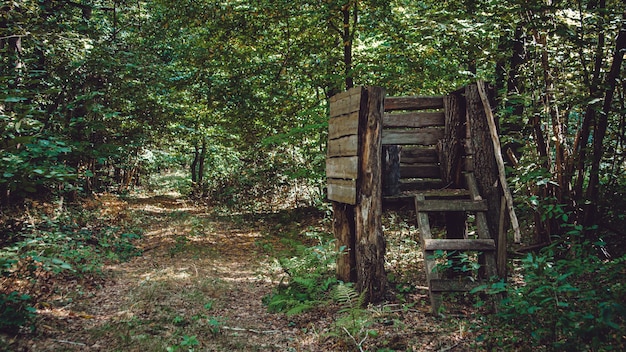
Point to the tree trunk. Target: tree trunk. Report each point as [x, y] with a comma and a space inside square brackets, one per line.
[593, 189]
[343, 228]
[370, 243]
[485, 167]
[194, 164]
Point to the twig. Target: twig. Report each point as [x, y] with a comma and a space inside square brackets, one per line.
[70, 342]
[358, 344]
[449, 347]
[252, 330]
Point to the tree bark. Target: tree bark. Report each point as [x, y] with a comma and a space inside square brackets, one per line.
[343, 228]
[370, 243]
[593, 189]
[485, 168]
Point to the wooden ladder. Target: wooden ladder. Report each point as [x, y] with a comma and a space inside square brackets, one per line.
[484, 244]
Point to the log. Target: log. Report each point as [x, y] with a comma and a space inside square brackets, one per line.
[370, 243]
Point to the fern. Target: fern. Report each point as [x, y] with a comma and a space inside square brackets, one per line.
[307, 280]
[354, 320]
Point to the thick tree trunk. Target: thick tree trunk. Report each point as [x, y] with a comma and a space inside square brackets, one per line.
[451, 159]
[485, 167]
[370, 243]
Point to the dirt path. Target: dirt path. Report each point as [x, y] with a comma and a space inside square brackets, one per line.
[199, 286]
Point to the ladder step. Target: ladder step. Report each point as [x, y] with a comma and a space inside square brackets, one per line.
[442, 285]
[432, 205]
[459, 244]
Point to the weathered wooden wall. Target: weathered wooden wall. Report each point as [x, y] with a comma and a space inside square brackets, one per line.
[415, 125]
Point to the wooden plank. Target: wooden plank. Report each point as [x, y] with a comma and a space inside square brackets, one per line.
[442, 285]
[345, 146]
[459, 245]
[342, 191]
[423, 136]
[343, 167]
[447, 205]
[418, 155]
[344, 125]
[413, 103]
[347, 103]
[422, 220]
[412, 185]
[414, 119]
[420, 171]
[345, 94]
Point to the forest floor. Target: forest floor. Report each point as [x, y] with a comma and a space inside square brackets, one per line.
[200, 281]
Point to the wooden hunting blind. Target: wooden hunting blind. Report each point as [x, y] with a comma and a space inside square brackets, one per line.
[436, 153]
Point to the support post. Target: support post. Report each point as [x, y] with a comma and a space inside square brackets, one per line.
[370, 243]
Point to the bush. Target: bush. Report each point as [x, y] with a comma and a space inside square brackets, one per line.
[572, 300]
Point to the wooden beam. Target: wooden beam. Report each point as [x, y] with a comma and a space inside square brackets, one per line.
[459, 244]
[413, 103]
[432, 205]
[343, 167]
[441, 285]
[343, 125]
[414, 155]
[342, 191]
[423, 136]
[414, 119]
[346, 102]
[419, 171]
[344, 146]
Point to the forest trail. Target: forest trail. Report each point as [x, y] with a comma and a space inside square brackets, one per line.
[199, 285]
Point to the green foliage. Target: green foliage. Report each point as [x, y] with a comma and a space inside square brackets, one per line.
[308, 280]
[187, 343]
[67, 246]
[15, 311]
[354, 320]
[465, 263]
[571, 300]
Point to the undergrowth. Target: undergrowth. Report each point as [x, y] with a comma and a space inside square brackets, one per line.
[573, 299]
[306, 279]
[43, 251]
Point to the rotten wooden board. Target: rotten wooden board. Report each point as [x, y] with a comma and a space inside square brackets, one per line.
[459, 244]
[419, 171]
[343, 125]
[441, 285]
[415, 155]
[423, 136]
[342, 167]
[414, 119]
[345, 146]
[432, 205]
[413, 103]
[342, 191]
[346, 102]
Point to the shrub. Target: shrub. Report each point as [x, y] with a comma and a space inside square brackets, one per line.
[571, 300]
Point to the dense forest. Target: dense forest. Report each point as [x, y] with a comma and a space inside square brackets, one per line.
[103, 97]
